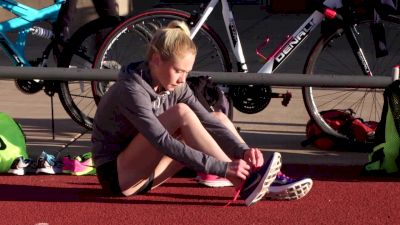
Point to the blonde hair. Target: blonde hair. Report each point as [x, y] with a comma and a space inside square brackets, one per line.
[171, 42]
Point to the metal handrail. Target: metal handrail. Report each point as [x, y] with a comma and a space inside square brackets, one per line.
[233, 78]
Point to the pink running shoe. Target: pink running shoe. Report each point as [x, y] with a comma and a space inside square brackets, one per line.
[83, 168]
[68, 165]
[212, 180]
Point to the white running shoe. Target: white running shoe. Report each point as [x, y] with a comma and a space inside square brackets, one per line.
[19, 165]
[47, 163]
[286, 188]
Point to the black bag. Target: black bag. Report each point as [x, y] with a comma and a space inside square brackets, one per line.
[367, 7]
[210, 95]
[374, 10]
[385, 7]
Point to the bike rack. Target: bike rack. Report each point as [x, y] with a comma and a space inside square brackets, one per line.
[233, 78]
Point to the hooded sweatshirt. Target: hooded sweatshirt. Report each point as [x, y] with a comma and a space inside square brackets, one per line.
[131, 106]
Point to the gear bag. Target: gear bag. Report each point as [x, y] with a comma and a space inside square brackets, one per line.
[12, 142]
[356, 130]
[385, 155]
[363, 7]
[337, 119]
[210, 95]
[367, 10]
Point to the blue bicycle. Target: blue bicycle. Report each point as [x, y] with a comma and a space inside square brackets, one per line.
[77, 52]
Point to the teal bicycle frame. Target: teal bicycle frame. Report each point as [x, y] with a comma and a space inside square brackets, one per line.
[26, 17]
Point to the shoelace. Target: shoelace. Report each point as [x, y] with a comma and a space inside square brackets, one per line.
[237, 190]
[236, 194]
[282, 176]
[49, 158]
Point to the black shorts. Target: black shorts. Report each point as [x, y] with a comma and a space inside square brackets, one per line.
[108, 178]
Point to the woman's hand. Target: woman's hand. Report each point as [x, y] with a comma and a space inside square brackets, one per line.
[238, 170]
[253, 157]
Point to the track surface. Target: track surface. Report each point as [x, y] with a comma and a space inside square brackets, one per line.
[339, 196]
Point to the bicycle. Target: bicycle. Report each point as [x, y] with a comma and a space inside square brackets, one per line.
[344, 32]
[78, 51]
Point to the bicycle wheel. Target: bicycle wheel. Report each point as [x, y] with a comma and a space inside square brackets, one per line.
[128, 43]
[76, 96]
[333, 55]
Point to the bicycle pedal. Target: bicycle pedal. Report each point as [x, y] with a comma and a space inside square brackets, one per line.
[286, 97]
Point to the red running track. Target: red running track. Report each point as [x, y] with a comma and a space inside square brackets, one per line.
[339, 196]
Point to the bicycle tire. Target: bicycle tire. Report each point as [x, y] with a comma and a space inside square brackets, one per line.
[79, 52]
[332, 55]
[135, 34]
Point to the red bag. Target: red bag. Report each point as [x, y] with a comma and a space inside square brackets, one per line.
[342, 121]
[363, 131]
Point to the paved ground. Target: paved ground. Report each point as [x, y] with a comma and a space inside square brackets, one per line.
[277, 128]
[75, 200]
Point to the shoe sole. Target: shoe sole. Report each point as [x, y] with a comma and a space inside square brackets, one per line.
[45, 170]
[16, 172]
[215, 184]
[270, 174]
[49, 171]
[86, 172]
[294, 191]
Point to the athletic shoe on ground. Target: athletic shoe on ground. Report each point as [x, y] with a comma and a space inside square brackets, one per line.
[19, 166]
[286, 188]
[68, 165]
[47, 163]
[210, 180]
[256, 185]
[83, 168]
[84, 157]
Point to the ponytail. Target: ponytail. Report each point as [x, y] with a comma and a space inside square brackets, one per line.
[172, 41]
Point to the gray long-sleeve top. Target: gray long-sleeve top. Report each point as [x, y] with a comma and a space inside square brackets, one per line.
[131, 106]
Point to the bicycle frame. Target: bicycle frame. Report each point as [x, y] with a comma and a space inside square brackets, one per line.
[26, 16]
[289, 45]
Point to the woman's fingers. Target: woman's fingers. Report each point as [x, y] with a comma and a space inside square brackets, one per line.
[240, 168]
[254, 157]
[259, 158]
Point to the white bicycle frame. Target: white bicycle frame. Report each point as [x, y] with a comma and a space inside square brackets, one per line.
[281, 53]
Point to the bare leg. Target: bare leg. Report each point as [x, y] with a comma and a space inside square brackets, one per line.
[140, 159]
[228, 123]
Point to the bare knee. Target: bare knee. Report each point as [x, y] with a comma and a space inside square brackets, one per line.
[184, 112]
[221, 117]
[176, 117]
[182, 108]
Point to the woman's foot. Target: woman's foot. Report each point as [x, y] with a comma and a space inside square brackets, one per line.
[257, 184]
[286, 188]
